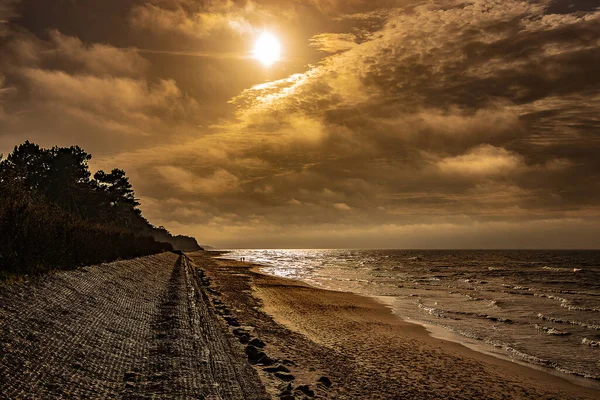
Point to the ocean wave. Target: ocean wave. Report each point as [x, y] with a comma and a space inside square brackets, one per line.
[522, 356]
[551, 331]
[550, 296]
[570, 322]
[521, 293]
[578, 293]
[432, 310]
[554, 269]
[448, 314]
[570, 291]
[547, 268]
[524, 290]
[436, 312]
[591, 343]
[566, 303]
[499, 319]
[519, 355]
[495, 304]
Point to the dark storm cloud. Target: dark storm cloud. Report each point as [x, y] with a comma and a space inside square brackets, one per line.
[60, 89]
[464, 123]
[7, 12]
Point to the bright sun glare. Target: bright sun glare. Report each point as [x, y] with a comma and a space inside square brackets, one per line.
[267, 49]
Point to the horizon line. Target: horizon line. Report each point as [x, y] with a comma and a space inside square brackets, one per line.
[403, 249]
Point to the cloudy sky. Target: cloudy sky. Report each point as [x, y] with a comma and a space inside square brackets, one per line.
[387, 123]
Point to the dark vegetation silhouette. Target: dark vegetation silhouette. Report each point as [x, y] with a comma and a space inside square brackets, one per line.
[54, 215]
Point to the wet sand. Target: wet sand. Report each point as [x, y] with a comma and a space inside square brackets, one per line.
[360, 346]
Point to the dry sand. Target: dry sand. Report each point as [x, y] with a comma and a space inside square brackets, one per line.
[357, 343]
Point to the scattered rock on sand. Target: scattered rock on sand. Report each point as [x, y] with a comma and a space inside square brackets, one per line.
[285, 377]
[222, 309]
[277, 368]
[231, 320]
[265, 361]
[256, 356]
[239, 331]
[325, 381]
[257, 343]
[244, 339]
[253, 353]
[306, 390]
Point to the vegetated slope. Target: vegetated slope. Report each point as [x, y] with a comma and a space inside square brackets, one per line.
[140, 328]
[179, 242]
[36, 236]
[55, 215]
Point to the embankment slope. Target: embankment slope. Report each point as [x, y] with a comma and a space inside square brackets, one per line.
[140, 328]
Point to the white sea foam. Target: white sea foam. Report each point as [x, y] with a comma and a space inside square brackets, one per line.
[591, 343]
[551, 331]
[570, 322]
[431, 310]
[547, 268]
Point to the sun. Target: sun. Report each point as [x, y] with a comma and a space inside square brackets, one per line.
[267, 49]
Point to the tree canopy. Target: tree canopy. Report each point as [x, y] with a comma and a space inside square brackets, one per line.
[62, 177]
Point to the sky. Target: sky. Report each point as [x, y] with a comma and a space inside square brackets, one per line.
[386, 124]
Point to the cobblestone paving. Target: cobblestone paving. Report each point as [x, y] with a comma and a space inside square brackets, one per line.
[134, 329]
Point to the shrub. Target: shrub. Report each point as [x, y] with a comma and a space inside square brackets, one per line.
[37, 236]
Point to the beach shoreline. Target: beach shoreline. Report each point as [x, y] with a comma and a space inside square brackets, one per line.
[441, 333]
[334, 320]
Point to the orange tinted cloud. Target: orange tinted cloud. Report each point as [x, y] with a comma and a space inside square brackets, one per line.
[404, 123]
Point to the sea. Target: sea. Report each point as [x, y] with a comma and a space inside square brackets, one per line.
[536, 307]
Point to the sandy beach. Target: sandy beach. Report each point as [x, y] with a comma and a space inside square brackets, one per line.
[171, 326]
[364, 350]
